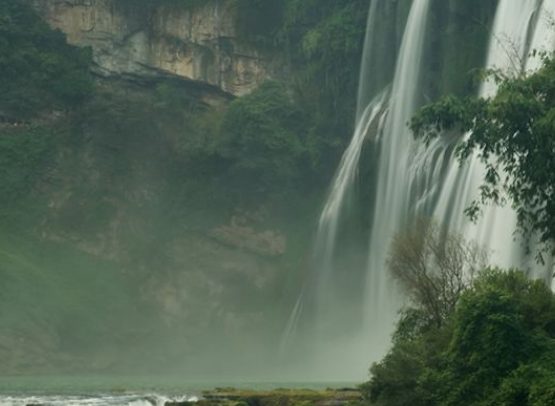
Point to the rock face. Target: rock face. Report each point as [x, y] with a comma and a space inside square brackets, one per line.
[196, 41]
[239, 234]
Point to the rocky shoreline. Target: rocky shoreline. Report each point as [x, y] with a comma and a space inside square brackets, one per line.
[278, 397]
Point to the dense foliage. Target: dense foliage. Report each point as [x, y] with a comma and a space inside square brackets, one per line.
[38, 69]
[514, 135]
[497, 348]
[41, 78]
[261, 137]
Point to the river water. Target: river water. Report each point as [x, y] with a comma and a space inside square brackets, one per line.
[125, 391]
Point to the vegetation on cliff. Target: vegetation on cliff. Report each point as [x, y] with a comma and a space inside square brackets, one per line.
[262, 137]
[39, 69]
[285, 137]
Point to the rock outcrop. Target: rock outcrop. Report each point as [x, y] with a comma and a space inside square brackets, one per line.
[196, 41]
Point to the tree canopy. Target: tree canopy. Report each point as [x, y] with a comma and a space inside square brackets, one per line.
[496, 348]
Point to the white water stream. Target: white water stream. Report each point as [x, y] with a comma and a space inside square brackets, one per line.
[397, 150]
[96, 400]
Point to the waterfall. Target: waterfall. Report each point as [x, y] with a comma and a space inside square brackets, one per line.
[331, 215]
[397, 151]
[544, 35]
[510, 39]
[412, 179]
[383, 110]
[516, 31]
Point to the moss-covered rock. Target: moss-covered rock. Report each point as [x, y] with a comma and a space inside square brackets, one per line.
[280, 397]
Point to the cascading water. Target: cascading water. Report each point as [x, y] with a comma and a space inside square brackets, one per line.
[326, 300]
[412, 179]
[392, 193]
[331, 214]
[517, 30]
[387, 112]
[508, 49]
[544, 35]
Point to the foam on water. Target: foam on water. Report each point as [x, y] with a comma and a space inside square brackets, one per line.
[93, 400]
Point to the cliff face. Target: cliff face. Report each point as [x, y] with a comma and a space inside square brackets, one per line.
[197, 41]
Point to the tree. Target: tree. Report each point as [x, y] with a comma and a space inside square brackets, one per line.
[514, 133]
[434, 267]
[497, 347]
[501, 341]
